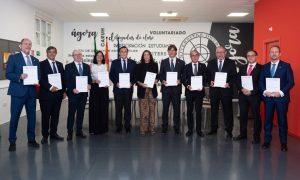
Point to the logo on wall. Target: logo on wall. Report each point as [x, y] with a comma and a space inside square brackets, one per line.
[199, 42]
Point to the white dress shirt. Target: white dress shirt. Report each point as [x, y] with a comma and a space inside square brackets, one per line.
[25, 58]
[51, 65]
[254, 64]
[77, 66]
[223, 60]
[193, 67]
[174, 61]
[126, 62]
[276, 65]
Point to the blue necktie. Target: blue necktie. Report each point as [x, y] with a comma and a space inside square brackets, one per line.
[124, 66]
[172, 66]
[28, 61]
[220, 66]
[273, 70]
[54, 69]
[80, 70]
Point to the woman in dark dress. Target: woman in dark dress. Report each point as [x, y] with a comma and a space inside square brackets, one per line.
[99, 100]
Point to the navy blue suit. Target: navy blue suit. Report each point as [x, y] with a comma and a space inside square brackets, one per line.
[21, 95]
[285, 73]
[194, 96]
[123, 96]
[77, 102]
[50, 102]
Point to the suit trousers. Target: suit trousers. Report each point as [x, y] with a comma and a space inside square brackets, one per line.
[196, 102]
[227, 111]
[76, 105]
[255, 107]
[50, 110]
[16, 107]
[123, 101]
[167, 98]
[282, 109]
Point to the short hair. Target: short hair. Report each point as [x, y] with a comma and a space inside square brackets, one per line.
[253, 51]
[172, 46]
[194, 51]
[220, 47]
[25, 39]
[75, 50]
[95, 57]
[51, 47]
[123, 47]
[276, 47]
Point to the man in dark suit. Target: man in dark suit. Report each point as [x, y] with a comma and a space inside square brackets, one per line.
[77, 100]
[50, 96]
[278, 100]
[22, 94]
[249, 97]
[123, 96]
[171, 93]
[223, 94]
[194, 68]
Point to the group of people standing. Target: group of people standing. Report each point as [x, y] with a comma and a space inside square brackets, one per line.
[50, 97]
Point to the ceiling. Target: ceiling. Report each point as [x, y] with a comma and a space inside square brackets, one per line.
[145, 10]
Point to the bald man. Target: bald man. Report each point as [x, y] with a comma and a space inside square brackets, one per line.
[223, 94]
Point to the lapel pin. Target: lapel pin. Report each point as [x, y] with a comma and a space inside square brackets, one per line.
[279, 66]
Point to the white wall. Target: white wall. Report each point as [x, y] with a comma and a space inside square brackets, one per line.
[17, 22]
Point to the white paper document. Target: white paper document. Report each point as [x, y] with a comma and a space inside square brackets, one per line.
[220, 79]
[55, 80]
[149, 79]
[247, 82]
[172, 78]
[124, 80]
[196, 82]
[104, 78]
[82, 83]
[273, 84]
[32, 73]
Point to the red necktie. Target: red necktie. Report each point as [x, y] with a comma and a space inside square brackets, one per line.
[249, 70]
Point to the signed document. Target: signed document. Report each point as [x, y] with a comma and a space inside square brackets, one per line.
[149, 79]
[273, 84]
[55, 80]
[247, 82]
[32, 77]
[82, 83]
[171, 78]
[196, 82]
[220, 79]
[104, 78]
[124, 80]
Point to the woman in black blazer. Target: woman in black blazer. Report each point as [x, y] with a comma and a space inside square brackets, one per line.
[147, 95]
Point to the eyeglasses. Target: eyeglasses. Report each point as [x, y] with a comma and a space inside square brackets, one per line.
[222, 52]
[99, 55]
[195, 55]
[250, 56]
[77, 54]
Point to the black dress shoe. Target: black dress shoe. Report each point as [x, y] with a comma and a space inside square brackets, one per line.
[56, 136]
[44, 140]
[12, 146]
[164, 131]
[80, 134]
[33, 143]
[284, 147]
[211, 132]
[256, 141]
[266, 145]
[189, 133]
[128, 130]
[177, 131]
[229, 135]
[200, 133]
[69, 137]
[239, 137]
[118, 130]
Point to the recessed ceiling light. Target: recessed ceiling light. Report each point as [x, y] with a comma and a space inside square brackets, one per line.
[85, 0]
[172, 0]
[168, 14]
[99, 14]
[238, 14]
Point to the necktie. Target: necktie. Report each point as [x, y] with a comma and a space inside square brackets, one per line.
[54, 69]
[220, 66]
[80, 70]
[195, 70]
[124, 66]
[273, 70]
[249, 70]
[28, 61]
[172, 65]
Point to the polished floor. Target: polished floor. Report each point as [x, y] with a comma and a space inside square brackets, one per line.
[152, 157]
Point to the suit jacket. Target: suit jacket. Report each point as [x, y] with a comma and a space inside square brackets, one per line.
[165, 67]
[14, 69]
[70, 79]
[186, 78]
[140, 74]
[116, 69]
[230, 68]
[255, 73]
[285, 73]
[44, 90]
